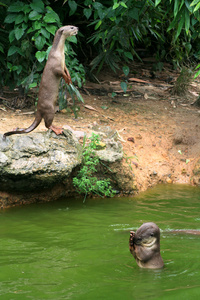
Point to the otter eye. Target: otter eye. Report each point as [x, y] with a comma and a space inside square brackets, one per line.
[72, 28]
[151, 234]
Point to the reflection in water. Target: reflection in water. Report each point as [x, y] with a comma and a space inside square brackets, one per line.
[71, 250]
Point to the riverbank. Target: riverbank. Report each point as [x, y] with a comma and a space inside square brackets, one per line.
[160, 133]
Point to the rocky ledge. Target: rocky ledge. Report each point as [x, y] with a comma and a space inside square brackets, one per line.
[40, 166]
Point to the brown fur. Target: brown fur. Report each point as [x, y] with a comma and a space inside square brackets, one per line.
[55, 68]
[144, 245]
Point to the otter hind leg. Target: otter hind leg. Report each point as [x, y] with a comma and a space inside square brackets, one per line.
[57, 130]
[48, 123]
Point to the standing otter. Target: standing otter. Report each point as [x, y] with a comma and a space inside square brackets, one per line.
[144, 245]
[55, 68]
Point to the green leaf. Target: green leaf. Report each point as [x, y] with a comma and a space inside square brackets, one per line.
[51, 16]
[15, 68]
[78, 95]
[88, 2]
[34, 15]
[72, 39]
[19, 33]
[19, 69]
[51, 28]
[194, 2]
[34, 84]
[176, 7]
[115, 6]
[38, 6]
[25, 47]
[180, 26]
[157, 2]
[198, 66]
[187, 21]
[1, 49]
[197, 7]
[97, 5]
[45, 33]
[126, 70]
[198, 72]
[37, 25]
[12, 50]
[123, 4]
[12, 36]
[87, 12]
[98, 25]
[40, 41]
[10, 18]
[134, 13]
[73, 7]
[25, 25]
[124, 86]
[19, 19]
[18, 6]
[40, 55]
[188, 47]
[26, 9]
[128, 55]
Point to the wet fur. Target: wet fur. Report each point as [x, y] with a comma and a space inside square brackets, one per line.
[144, 245]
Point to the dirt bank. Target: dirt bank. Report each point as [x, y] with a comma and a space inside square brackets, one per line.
[160, 133]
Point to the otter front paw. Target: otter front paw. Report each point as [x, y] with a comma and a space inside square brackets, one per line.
[131, 241]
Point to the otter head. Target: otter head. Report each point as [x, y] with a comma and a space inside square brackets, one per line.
[148, 235]
[68, 30]
[145, 246]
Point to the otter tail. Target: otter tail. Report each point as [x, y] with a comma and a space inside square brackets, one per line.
[35, 123]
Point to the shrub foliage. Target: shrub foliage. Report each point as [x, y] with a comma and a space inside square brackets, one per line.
[110, 33]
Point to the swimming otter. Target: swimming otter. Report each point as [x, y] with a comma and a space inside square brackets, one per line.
[144, 245]
[55, 68]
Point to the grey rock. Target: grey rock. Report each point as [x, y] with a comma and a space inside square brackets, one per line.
[41, 160]
[37, 159]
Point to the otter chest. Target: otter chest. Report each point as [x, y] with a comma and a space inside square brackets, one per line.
[59, 58]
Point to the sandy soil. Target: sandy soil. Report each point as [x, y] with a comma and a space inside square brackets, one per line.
[160, 133]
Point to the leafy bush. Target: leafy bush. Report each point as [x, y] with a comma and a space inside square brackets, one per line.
[110, 33]
[168, 29]
[183, 29]
[85, 182]
[30, 28]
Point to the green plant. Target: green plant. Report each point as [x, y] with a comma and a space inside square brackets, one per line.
[182, 32]
[30, 28]
[128, 160]
[169, 30]
[85, 182]
[71, 90]
[120, 28]
[124, 84]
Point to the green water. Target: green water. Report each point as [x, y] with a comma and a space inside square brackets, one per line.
[71, 250]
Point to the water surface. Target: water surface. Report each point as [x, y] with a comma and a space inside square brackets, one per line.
[71, 250]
